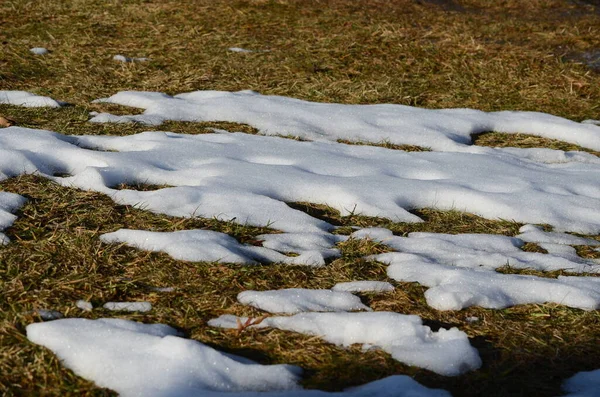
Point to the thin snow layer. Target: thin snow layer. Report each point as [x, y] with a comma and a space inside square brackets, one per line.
[364, 286]
[28, 100]
[454, 288]
[444, 130]
[487, 251]
[137, 359]
[583, 384]
[128, 306]
[446, 352]
[9, 202]
[250, 178]
[297, 300]
[207, 246]
[536, 234]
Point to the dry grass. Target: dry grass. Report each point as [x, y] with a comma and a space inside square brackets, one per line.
[489, 55]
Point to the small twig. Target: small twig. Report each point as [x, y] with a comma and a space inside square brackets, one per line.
[241, 327]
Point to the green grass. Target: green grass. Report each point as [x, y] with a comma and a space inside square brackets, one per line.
[488, 55]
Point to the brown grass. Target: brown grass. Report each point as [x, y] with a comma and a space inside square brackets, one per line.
[483, 54]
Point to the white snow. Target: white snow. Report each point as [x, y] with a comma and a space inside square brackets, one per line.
[84, 305]
[583, 384]
[27, 99]
[444, 129]
[206, 246]
[123, 58]
[446, 352]
[250, 178]
[486, 251]
[364, 286]
[454, 288]
[296, 300]
[536, 234]
[39, 50]
[128, 306]
[137, 359]
[9, 202]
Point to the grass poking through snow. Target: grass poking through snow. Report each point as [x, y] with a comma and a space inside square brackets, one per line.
[516, 55]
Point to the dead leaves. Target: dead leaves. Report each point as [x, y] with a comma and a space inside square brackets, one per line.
[6, 122]
[241, 327]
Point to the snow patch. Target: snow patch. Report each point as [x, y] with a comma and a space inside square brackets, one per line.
[364, 286]
[207, 246]
[296, 300]
[446, 352]
[128, 306]
[124, 59]
[583, 384]
[454, 288]
[443, 130]
[477, 251]
[27, 99]
[39, 50]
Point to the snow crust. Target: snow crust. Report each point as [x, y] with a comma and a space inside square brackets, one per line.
[444, 129]
[296, 300]
[250, 178]
[27, 99]
[364, 286]
[404, 337]
[583, 384]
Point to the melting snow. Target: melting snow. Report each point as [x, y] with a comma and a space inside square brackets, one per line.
[39, 50]
[28, 100]
[208, 246]
[446, 352]
[364, 286]
[486, 251]
[296, 300]
[583, 384]
[445, 129]
[9, 202]
[84, 305]
[454, 288]
[137, 359]
[250, 178]
[536, 234]
[122, 58]
[128, 306]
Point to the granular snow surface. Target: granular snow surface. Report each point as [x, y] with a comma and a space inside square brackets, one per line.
[446, 352]
[136, 359]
